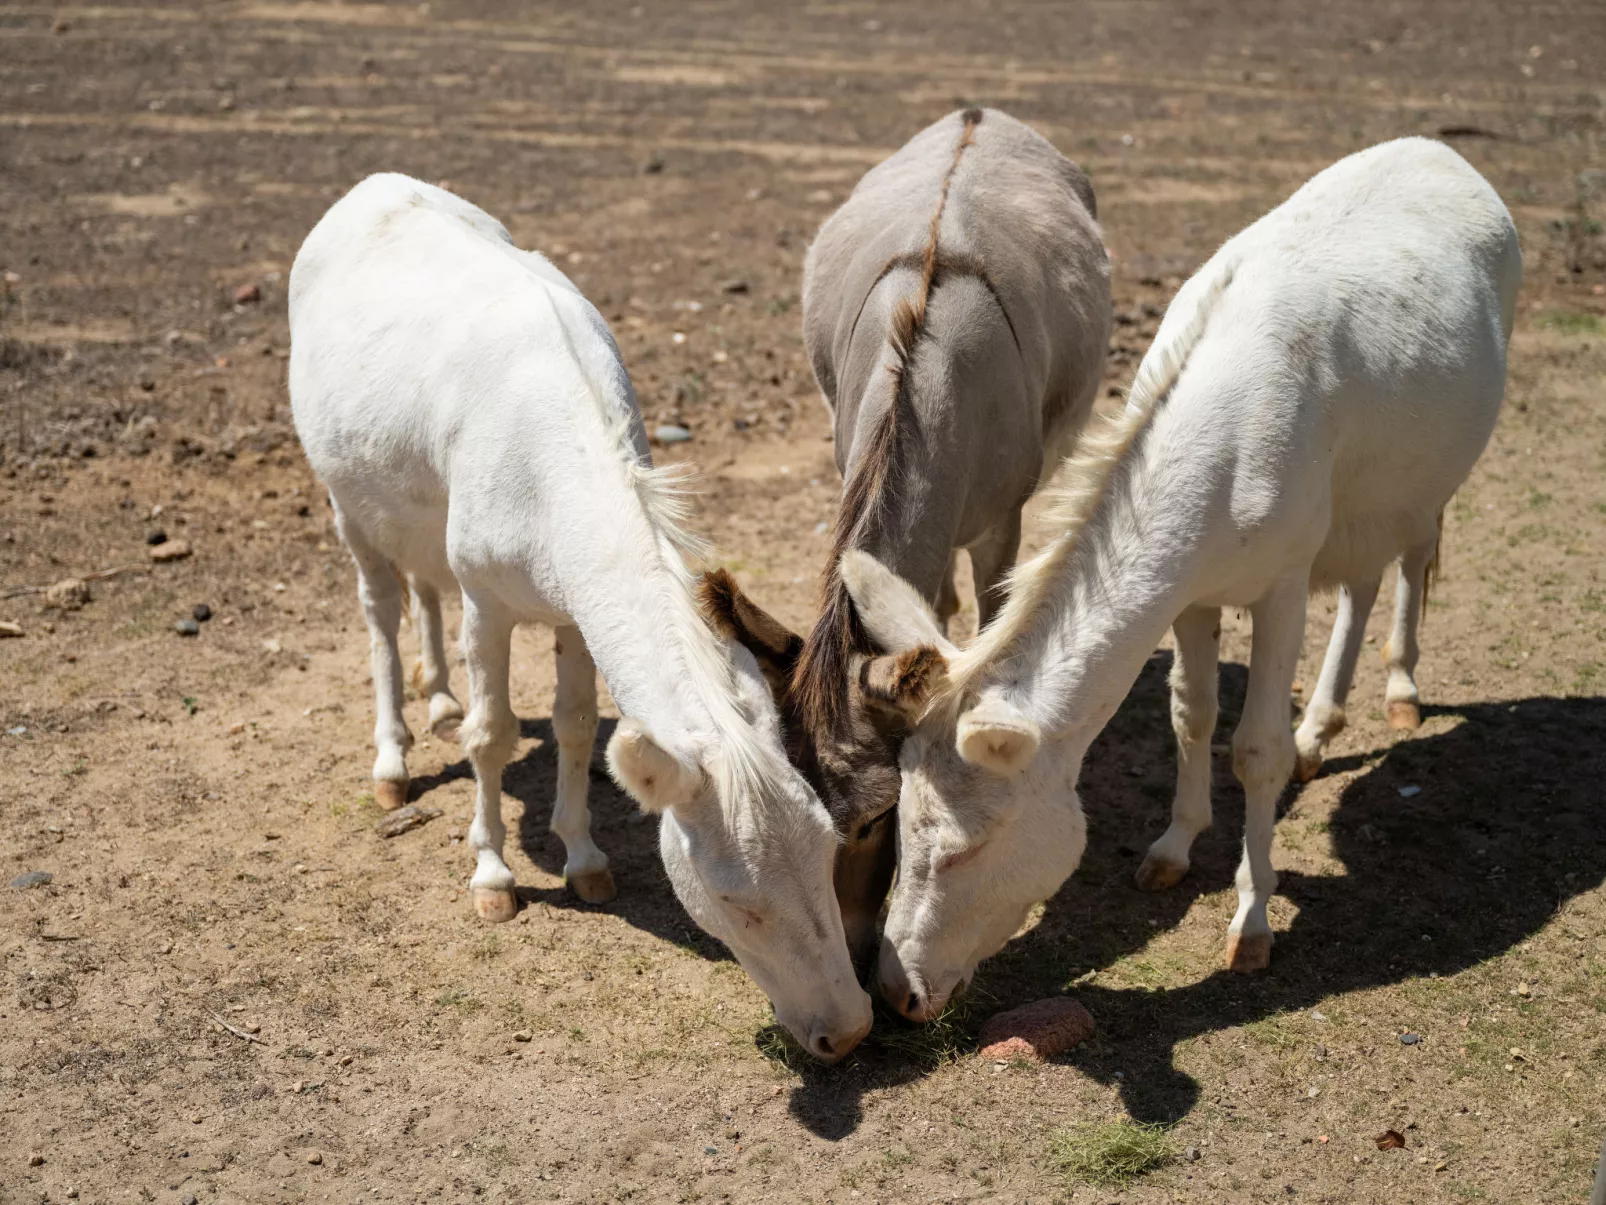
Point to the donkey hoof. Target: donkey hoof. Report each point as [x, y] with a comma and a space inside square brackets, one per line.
[445, 728]
[1248, 952]
[593, 886]
[1157, 874]
[1308, 766]
[495, 904]
[1404, 715]
[390, 793]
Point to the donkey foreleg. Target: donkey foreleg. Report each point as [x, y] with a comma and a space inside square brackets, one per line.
[1324, 715]
[1193, 719]
[430, 675]
[488, 735]
[574, 723]
[1401, 652]
[1263, 756]
[380, 594]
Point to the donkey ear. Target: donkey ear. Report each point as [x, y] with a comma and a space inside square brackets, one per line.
[998, 737]
[736, 617]
[891, 610]
[899, 685]
[652, 775]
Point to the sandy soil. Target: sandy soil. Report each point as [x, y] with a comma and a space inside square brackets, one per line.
[203, 803]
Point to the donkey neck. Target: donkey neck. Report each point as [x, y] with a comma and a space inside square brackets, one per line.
[661, 663]
[1134, 571]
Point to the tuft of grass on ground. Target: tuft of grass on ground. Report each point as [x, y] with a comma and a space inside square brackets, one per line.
[944, 1039]
[1571, 322]
[1110, 1154]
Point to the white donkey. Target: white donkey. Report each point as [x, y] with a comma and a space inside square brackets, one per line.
[469, 413]
[1314, 396]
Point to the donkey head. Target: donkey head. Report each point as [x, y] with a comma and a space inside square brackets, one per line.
[844, 714]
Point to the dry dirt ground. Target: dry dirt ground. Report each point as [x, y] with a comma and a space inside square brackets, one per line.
[203, 803]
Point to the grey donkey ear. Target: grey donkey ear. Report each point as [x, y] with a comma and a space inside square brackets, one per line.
[891, 610]
[899, 685]
[736, 617]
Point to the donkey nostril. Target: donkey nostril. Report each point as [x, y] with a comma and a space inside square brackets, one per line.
[914, 1003]
[823, 1043]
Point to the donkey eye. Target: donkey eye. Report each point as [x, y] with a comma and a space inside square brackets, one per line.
[866, 829]
[954, 861]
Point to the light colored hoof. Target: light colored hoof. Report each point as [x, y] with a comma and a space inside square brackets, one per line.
[1404, 715]
[1157, 874]
[390, 794]
[445, 728]
[593, 886]
[495, 905]
[1248, 952]
[1308, 766]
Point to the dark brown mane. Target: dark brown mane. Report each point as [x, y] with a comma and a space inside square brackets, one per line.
[820, 685]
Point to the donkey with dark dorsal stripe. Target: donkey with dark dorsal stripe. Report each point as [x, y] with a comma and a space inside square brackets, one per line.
[956, 310]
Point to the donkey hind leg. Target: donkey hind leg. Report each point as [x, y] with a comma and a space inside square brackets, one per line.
[488, 736]
[1324, 715]
[991, 557]
[1193, 719]
[430, 675]
[1401, 651]
[947, 601]
[379, 590]
[1263, 756]
[574, 723]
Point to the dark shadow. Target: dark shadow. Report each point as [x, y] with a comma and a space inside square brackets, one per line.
[1504, 830]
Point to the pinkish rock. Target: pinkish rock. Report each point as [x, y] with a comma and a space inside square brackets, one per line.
[1036, 1031]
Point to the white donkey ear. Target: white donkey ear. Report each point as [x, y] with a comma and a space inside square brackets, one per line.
[891, 610]
[997, 737]
[653, 776]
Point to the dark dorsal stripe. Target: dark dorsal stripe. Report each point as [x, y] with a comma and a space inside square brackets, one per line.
[820, 685]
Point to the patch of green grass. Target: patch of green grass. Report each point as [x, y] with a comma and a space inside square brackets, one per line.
[780, 1048]
[928, 1046]
[1110, 1154]
[76, 770]
[1571, 322]
[191, 704]
[488, 948]
[457, 998]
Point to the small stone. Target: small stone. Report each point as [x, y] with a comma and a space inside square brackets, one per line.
[345, 1060]
[188, 1199]
[72, 1195]
[60, 25]
[252, 1027]
[1410, 1039]
[9, 629]
[315, 1158]
[668, 433]
[1523, 989]
[187, 627]
[201, 612]
[1192, 1154]
[1409, 792]
[653, 166]
[155, 538]
[1036, 1031]
[34, 878]
[707, 1150]
[172, 550]
[523, 1035]
[35, 1159]
[69, 594]
[734, 286]
[248, 294]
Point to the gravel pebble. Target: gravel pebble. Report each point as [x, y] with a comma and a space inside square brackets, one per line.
[155, 538]
[33, 878]
[170, 550]
[187, 627]
[671, 434]
[202, 612]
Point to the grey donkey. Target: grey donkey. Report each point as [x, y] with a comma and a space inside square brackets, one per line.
[956, 311]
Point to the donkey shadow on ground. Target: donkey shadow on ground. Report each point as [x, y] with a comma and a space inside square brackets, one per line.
[1504, 829]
